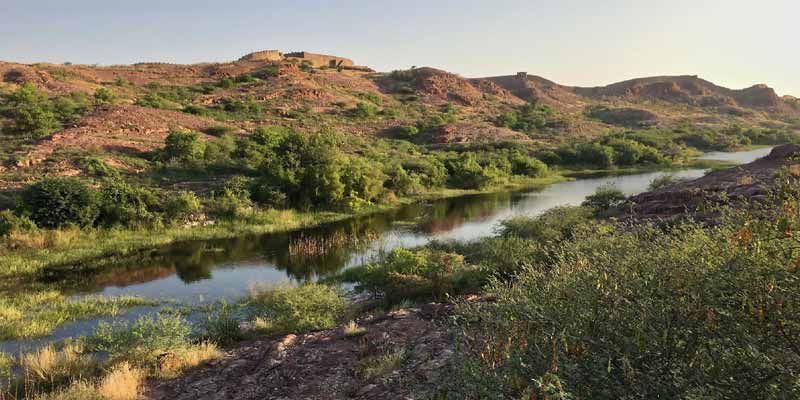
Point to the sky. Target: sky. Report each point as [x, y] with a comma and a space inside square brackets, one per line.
[734, 43]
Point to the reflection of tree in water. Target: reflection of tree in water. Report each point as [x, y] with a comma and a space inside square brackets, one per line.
[195, 261]
[446, 215]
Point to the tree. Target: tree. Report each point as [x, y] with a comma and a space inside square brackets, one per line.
[31, 111]
[58, 202]
[183, 145]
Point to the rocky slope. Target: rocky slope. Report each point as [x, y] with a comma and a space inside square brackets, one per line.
[401, 355]
[750, 182]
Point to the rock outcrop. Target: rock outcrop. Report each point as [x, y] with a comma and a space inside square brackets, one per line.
[751, 182]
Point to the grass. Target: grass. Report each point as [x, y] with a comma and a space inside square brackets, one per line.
[381, 365]
[351, 329]
[298, 309]
[124, 382]
[35, 314]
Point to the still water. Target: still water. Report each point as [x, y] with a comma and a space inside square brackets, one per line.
[202, 271]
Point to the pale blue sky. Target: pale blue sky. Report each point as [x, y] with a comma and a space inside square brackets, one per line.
[735, 43]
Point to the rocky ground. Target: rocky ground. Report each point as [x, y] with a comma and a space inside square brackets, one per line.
[750, 182]
[400, 355]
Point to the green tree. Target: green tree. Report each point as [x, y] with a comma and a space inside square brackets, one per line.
[31, 111]
[58, 202]
[183, 145]
[103, 96]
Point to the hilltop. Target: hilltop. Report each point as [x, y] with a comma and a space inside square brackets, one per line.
[307, 91]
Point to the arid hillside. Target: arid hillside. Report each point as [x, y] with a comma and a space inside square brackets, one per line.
[121, 110]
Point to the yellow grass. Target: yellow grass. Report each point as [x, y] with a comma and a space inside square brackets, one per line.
[48, 364]
[122, 383]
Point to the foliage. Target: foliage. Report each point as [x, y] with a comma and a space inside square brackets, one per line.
[298, 309]
[466, 173]
[31, 111]
[58, 202]
[605, 200]
[183, 146]
[103, 96]
[415, 274]
[10, 222]
[642, 312]
[664, 181]
[146, 336]
[527, 118]
[364, 110]
[182, 207]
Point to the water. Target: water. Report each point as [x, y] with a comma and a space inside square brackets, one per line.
[203, 271]
[739, 157]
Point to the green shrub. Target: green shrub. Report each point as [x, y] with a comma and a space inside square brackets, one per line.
[103, 96]
[466, 173]
[553, 226]
[31, 111]
[364, 110]
[298, 309]
[122, 204]
[605, 200]
[219, 130]
[98, 168]
[58, 202]
[153, 100]
[415, 274]
[407, 132]
[10, 222]
[182, 207]
[147, 336]
[527, 166]
[183, 146]
[642, 312]
[222, 325]
[664, 181]
[69, 109]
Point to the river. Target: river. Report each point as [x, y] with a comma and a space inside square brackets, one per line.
[203, 271]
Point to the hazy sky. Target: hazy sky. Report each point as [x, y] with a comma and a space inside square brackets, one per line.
[735, 43]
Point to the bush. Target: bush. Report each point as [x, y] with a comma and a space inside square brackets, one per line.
[153, 100]
[407, 132]
[664, 181]
[183, 146]
[553, 226]
[605, 200]
[68, 109]
[148, 336]
[414, 275]
[182, 207]
[58, 202]
[527, 166]
[122, 204]
[103, 96]
[31, 112]
[298, 309]
[466, 173]
[643, 313]
[10, 222]
[364, 111]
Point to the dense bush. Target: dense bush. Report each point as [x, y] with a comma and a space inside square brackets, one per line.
[182, 207]
[122, 204]
[415, 275]
[31, 111]
[147, 337]
[364, 110]
[553, 226]
[58, 202]
[527, 118]
[183, 146]
[10, 222]
[297, 309]
[606, 200]
[692, 312]
[466, 173]
[103, 96]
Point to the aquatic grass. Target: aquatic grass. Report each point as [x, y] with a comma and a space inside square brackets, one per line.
[36, 314]
[306, 245]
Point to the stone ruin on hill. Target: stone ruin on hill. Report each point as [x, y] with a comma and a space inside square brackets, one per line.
[315, 60]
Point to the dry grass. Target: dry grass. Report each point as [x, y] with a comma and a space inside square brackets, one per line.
[351, 329]
[48, 365]
[79, 390]
[122, 383]
[380, 366]
[173, 364]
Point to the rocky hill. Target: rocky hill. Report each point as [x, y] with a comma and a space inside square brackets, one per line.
[307, 91]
